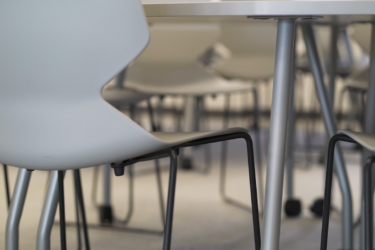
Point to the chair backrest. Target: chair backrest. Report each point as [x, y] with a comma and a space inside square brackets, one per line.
[171, 58]
[178, 43]
[254, 39]
[55, 57]
[362, 34]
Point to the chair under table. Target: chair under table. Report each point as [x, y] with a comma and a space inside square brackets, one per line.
[58, 53]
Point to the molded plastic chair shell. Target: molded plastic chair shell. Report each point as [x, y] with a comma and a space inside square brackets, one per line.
[364, 139]
[253, 50]
[55, 58]
[169, 64]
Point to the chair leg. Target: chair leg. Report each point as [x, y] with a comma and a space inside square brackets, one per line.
[328, 186]
[62, 210]
[253, 190]
[78, 221]
[223, 167]
[131, 196]
[368, 200]
[78, 184]
[94, 190]
[160, 190]
[170, 203]
[157, 164]
[6, 183]
[252, 177]
[47, 216]
[15, 210]
[258, 146]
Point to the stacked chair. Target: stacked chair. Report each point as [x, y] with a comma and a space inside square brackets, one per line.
[56, 58]
[367, 141]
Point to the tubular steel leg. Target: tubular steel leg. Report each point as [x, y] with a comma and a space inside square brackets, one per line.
[81, 202]
[6, 183]
[368, 204]
[258, 150]
[188, 124]
[333, 61]
[157, 166]
[62, 210]
[329, 120]
[15, 210]
[78, 220]
[131, 196]
[170, 204]
[328, 186]
[290, 143]
[160, 191]
[43, 241]
[94, 189]
[278, 130]
[107, 185]
[205, 126]
[252, 174]
[223, 167]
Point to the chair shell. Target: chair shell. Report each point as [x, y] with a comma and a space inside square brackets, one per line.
[56, 56]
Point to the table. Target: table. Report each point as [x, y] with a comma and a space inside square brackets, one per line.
[287, 13]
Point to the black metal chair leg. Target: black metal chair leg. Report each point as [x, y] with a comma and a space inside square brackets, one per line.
[368, 200]
[253, 190]
[252, 176]
[6, 182]
[77, 179]
[119, 170]
[170, 204]
[62, 210]
[78, 220]
[328, 186]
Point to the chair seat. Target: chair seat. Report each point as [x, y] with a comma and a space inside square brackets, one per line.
[358, 86]
[248, 67]
[359, 79]
[123, 97]
[180, 80]
[177, 138]
[364, 139]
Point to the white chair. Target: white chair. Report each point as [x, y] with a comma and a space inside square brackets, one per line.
[357, 81]
[367, 141]
[252, 59]
[56, 57]
[169, 66]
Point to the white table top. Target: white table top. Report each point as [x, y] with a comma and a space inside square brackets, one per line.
[339, 10]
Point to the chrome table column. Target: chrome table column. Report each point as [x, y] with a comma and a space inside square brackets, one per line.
[330, 124]
[278, 131]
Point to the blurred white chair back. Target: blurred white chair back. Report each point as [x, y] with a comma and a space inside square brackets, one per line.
[253, 47]
[169, 65]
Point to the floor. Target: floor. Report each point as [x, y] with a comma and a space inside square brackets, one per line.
[202, 220]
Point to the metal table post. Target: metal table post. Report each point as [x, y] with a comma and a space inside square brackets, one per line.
[15, 209]
[278, 131]
[330, 124]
